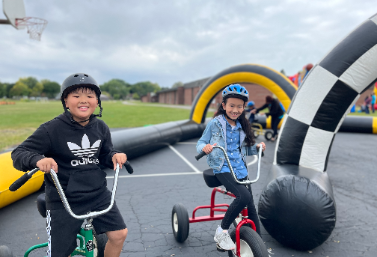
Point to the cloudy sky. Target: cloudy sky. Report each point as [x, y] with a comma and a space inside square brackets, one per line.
[165, 41]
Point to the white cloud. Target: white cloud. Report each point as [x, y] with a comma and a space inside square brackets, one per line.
[169, 41]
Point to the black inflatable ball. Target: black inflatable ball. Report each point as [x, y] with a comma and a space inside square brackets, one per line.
[297, 207]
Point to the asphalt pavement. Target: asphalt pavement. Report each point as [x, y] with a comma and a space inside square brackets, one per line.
[172, 175]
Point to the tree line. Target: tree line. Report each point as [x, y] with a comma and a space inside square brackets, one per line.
[119, 89]
[29, 87]
[115, 88]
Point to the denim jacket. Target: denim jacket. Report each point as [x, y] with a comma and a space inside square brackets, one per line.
[215, 133]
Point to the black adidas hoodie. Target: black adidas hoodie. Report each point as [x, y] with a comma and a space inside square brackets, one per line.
[78, 151]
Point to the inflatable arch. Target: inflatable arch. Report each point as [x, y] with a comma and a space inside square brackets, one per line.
[272, 80]
[297, 205]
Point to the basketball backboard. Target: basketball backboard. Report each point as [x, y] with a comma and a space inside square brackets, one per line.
[14, 9]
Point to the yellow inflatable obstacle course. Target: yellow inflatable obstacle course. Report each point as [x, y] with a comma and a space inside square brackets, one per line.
[8, 174]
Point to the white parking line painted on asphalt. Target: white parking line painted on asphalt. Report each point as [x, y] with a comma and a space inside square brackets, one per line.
[184, 159]
[156, 175]
[193, 143]
[174, 174]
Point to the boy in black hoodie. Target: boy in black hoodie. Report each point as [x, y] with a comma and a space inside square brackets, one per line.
[74, 144]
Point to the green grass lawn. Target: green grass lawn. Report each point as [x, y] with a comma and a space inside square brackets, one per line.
[363, 113]
[22, 119]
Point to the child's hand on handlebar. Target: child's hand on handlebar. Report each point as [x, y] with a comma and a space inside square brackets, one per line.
[208, 148]
[263, 146]
[119, 158]
[46, 164]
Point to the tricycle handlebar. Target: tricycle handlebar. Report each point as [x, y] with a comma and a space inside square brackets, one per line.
[199, 156]
[128, 167]
[22, 180]
[246, 182]
[90, 214]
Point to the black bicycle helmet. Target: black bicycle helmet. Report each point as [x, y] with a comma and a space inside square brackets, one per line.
[77, 80]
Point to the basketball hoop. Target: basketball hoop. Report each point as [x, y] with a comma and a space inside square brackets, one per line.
[35, 26]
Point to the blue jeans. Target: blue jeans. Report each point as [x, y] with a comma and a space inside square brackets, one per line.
[367, 109]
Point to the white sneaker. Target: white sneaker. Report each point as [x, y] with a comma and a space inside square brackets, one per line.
[223, 239]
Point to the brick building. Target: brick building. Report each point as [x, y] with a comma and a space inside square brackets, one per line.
[186, 94]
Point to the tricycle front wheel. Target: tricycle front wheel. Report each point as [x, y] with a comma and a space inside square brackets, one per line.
[251, 244]
[255, 132]
[180, 222]
[100, 242]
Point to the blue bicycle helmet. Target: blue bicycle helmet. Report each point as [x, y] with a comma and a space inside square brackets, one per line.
[251, 103]
[236, 89]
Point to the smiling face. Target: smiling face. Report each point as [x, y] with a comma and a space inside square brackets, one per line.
[234, 107]
[82, 103]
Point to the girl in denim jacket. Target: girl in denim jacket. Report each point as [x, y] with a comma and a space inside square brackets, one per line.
[231, 130]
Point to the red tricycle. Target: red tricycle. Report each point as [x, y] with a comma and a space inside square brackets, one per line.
[247, 241]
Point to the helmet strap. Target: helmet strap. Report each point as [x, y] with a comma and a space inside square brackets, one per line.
[100, 112]
[100, 108]
[230, 118]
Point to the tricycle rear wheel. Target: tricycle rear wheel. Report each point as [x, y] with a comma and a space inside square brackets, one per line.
[180, 222]
[251, 243]
[268, 135]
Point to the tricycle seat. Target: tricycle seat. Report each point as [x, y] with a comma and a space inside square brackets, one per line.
[41, 204]
[210, 178]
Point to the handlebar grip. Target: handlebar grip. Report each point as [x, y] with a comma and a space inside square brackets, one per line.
[128, 167]
[200, 156]
[19, 182]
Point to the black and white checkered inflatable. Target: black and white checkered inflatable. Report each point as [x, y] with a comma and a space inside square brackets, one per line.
[297, 206]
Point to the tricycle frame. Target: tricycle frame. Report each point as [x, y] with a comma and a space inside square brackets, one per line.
[86, 236]
[214, 207]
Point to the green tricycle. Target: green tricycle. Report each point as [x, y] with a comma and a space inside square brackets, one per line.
[90, 244]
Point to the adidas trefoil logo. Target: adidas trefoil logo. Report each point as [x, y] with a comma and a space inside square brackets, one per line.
[84, 152]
